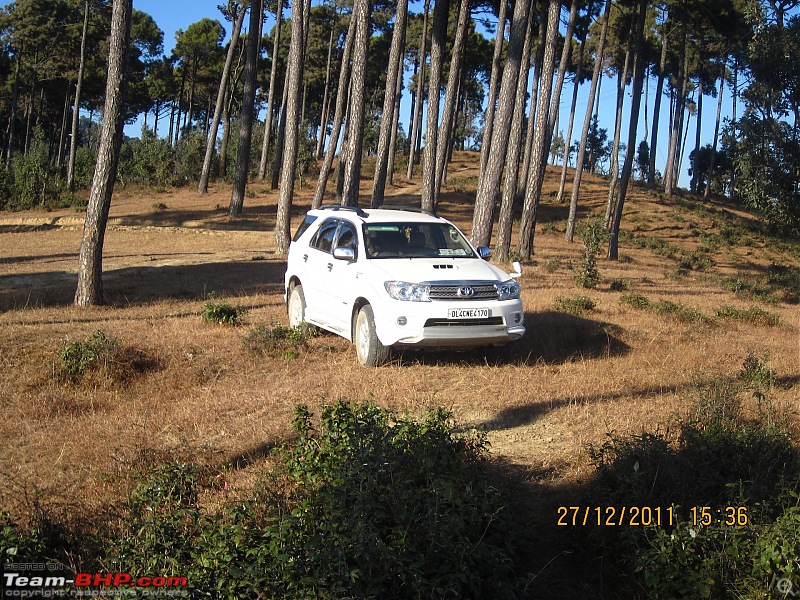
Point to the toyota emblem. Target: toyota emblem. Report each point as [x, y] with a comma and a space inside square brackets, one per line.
[466, 292]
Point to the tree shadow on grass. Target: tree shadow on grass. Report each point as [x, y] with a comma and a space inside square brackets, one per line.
[143, 284]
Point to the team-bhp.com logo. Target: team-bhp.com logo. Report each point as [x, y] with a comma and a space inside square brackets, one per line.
[45, 582]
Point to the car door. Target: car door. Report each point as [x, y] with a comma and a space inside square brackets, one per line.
[342, 277]
[316, 286]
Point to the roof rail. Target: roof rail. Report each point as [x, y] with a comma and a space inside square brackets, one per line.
[409, 208]
[354, 209]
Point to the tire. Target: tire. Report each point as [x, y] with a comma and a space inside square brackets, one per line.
[296, 307]
[369, 349]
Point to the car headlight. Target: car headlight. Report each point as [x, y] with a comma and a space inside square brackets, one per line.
[508, 290]
[411, 292]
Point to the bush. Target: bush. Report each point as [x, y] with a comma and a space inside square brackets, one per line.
[367, 504]
[76, 358]
[593, 233]
[743, 468]
[101, 355]
[575, 305]
[752, 315]
[222, 313]
[278, 341]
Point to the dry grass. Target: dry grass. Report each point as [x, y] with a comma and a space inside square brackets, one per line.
[568, 383]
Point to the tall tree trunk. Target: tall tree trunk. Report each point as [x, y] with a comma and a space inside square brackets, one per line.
[323, 119]
[300, 9]
[662, 69]
[499, 42]
[211, 143]
[76, 109]
[693, 184]
[587, 122]
[677, 126]
[438, 39]
[537, 80]
[416, 126]
[622, 83]
[395, 124]
[355, 139]
[568, 139]
[544, 123]
[627, 168]
[338, 115]
[14, 103]
[387, 114]
[62, 136]
[489, 181]
[262, 167]
[276, 164]
[505, 220]
[450, 97]
[566, 52]
[713, 161]
[248, 108]
[90, 263]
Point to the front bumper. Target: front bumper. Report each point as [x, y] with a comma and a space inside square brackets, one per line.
[426, 324]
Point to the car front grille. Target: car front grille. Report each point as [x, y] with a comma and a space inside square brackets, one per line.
[463, 322]
[450, 292]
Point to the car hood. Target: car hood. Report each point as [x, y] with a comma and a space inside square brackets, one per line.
[417, 270]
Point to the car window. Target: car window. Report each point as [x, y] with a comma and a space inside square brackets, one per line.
[348, 237]
[303, 227]
[323, 240]
[415, 240]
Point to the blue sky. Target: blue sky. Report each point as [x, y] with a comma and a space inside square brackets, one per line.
[179, 14]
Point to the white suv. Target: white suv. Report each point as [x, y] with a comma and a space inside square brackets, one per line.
[387, 278]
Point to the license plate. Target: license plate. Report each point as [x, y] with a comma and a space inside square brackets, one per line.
[468, 313]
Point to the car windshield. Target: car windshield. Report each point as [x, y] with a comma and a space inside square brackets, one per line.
[415, 240]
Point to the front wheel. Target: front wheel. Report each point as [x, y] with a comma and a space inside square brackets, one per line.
[296, 307]
[369, 349]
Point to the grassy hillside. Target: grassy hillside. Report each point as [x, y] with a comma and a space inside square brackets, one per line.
[700, 289]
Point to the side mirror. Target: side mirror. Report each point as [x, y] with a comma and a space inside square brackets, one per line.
[484, 252]
[517, 269]
[344, 253]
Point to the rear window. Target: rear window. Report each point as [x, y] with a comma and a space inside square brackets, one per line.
[303, 227]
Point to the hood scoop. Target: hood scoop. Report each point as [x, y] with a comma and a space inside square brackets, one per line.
[442, 266]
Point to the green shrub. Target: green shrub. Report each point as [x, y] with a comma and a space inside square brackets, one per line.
[618, 285]
[278, 341]
[366, 504]
[681, 312]
[76, 358]
[222, 312]
[552, 265]
[593, 233]
[753, 315]
[575, 305]
[636, 300]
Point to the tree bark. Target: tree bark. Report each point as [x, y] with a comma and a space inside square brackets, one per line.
[636, 101]
[587, 121]
[416, 127]
[248, 108]
[662, 68]
[295, 75]
[211, 143]
[712, 165]
[262, 168]
[355, 137]
[488, 125]
[568, 140]
[73, 142]
[450, 97]
[387, 114]
[338, 116]
[395, 124]
[323, 118]
[543, 127]
[677, 125]
[438, 39]
[489, 181]
[89, 291]
[514, 150]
